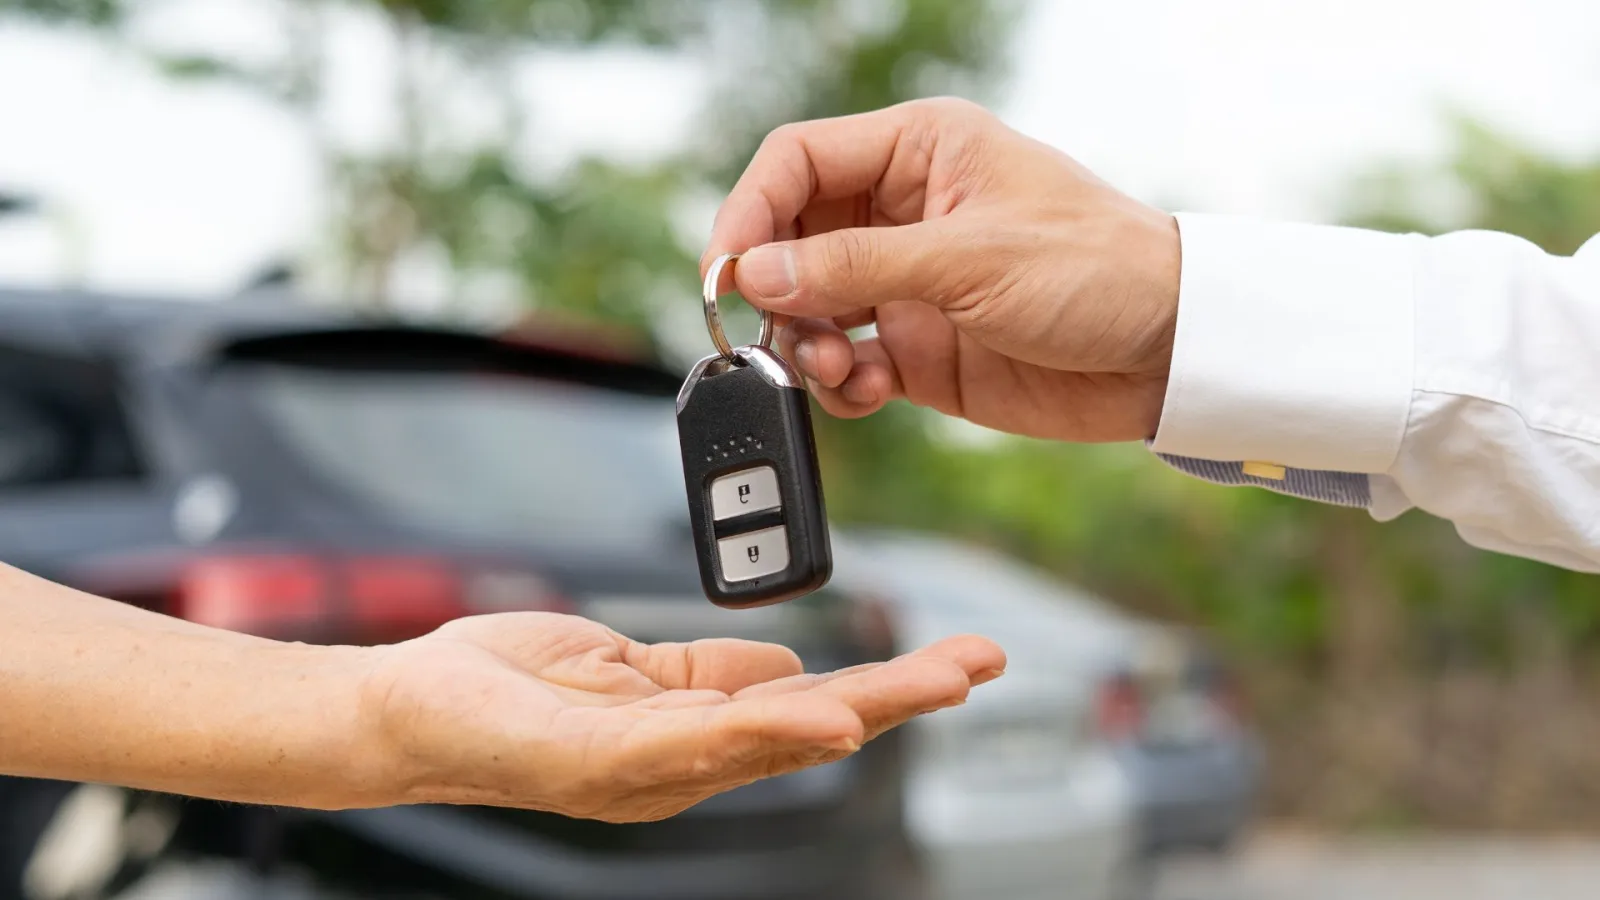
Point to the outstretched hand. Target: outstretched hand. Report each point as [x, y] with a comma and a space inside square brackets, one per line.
[558, 713]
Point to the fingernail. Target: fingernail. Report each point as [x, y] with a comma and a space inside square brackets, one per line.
[859, 392]
[805, 355]
[769, 271]
[848, 745]
[991, 674]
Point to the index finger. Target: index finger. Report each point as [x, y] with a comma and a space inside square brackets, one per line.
[818, 160]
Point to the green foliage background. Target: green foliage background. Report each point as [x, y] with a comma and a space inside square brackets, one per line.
[1400, 677]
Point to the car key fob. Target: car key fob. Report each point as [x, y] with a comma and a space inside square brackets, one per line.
[750, 467]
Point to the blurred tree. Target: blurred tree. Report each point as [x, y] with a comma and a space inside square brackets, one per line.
[92, 12]
[1491, 181]
[599, 239]
[16, 204]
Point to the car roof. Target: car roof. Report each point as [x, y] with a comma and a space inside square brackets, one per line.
[131, 326]
[90, 320]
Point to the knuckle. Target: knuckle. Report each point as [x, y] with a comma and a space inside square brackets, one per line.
[850, 257]
[959, 138]
[788, 133]
[835, 405]
[952, 116]
[961, 107]
[951, 109]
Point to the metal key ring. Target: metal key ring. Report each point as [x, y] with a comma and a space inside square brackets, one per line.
[709, 294]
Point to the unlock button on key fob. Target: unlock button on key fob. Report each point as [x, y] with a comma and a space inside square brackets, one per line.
[747, 556]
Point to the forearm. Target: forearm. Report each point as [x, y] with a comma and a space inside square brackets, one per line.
[93, 690]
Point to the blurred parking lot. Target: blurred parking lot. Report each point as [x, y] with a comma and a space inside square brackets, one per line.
[1271, 868]
[385, 298]
[1304, 868]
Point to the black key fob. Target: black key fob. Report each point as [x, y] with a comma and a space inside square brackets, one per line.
[755, 490]
[750, 466]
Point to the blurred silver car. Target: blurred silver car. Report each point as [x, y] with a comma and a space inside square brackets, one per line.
[1182, 736]
[1016, 794]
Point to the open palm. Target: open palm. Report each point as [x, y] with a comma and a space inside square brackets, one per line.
[558, 713]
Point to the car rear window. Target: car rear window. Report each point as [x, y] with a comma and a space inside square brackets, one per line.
[503, 457]
[62, 423]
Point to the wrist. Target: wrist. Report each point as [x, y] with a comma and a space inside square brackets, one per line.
[329, 751]
[393, 749]
[1156, 269]
[369, 762]
[1159, 279]
[318, 744]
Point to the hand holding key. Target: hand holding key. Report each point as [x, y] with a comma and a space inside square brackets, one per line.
[1009, 285]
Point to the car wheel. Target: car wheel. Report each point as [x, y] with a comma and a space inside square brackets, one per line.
[26, 808]
[79, 841]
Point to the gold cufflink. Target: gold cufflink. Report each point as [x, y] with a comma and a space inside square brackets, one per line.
[1269, 471]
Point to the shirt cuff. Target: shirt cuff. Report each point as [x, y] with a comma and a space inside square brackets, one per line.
[1294, 345]
[1337, 488]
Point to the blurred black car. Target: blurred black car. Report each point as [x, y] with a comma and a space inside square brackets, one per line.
[307, 475]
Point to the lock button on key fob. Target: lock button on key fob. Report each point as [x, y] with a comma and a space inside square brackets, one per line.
[750, 466]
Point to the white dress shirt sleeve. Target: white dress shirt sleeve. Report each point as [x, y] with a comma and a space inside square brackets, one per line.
[1458, 374]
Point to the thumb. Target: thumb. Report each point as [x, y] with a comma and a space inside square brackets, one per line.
[843, 271]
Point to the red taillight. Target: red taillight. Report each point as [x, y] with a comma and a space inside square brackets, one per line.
[402, 594]
[312, 597]
[353, 598]
[257, 594]
[1119, 711]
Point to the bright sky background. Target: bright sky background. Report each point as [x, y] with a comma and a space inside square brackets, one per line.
[1247, 106]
